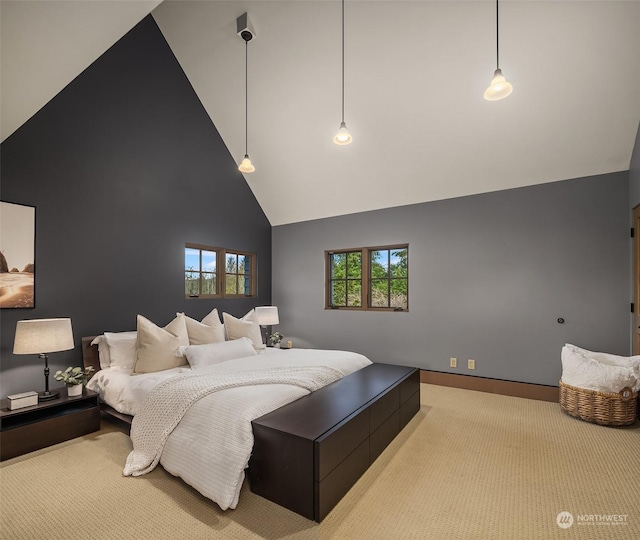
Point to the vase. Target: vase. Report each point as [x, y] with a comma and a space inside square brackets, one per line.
[74, 390]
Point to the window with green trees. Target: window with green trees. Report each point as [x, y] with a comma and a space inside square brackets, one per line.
[345, 280]
[238, 275]
[373, 278]
[389, 278]
[211, 272]
[200, 272]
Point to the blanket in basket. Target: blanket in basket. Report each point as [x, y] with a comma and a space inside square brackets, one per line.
[598, 371]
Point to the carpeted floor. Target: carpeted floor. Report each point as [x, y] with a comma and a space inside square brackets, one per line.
[469, 465]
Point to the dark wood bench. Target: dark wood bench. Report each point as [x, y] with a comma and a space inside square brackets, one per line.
[309, 453]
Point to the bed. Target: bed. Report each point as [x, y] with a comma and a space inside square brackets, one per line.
[199, 423]
[216, 426]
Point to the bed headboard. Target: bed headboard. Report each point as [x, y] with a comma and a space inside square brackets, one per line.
[90, 355]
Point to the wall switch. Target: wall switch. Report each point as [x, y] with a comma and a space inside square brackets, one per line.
[453, 362]
[471, 364]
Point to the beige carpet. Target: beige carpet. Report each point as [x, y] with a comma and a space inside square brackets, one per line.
[470, 465]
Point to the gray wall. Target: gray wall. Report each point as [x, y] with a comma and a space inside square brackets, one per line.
[634, 174]
[124, 167]
[489, 277]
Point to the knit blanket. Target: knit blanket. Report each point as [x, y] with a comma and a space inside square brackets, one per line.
[167, 403]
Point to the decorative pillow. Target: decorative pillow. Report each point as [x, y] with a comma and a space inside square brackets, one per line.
[246, 327]
[158, 347]
[178, 327]
[606, 358]
[103, 351]
[213, 319]
[210, 330]
[584, 372]
[122, 349]
[632, 362]
[200, 356]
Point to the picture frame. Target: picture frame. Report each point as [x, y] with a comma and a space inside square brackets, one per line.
[17, 256]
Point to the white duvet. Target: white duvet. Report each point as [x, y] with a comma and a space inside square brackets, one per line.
[210, 447]
[124, 391]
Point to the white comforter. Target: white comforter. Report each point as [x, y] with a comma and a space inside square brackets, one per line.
[124, 391]
[211, 446]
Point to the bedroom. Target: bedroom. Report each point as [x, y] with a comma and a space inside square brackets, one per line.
[121, 182]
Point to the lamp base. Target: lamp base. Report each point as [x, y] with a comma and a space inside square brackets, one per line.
[46, 396]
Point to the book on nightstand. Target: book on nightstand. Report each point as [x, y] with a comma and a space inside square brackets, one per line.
[26, 399]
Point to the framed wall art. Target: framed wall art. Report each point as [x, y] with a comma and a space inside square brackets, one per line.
[17, 255]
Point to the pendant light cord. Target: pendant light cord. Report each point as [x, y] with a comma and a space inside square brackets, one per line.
[246, 97]
[343, 61]
[497, 37]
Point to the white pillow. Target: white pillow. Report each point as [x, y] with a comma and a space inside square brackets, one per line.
[210, 330]
[582, 371]
[103, 351]
[631, 362]
[200, 356]
[122, 349]
[157, 348]
[246, 327]
[611, 359]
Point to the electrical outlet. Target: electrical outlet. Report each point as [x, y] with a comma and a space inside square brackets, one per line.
[471, 364]
[453, 362]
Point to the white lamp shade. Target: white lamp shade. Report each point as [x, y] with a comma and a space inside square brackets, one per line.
[267, 315]
[39, 336]
[499, 88]
[245, 165]
[342, 137]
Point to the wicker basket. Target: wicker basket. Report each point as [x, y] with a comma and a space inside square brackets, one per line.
[600, 407]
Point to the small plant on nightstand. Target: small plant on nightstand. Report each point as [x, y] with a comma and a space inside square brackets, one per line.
[275, 339]
[74, 378]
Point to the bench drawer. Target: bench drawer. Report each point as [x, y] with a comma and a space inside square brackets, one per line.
[382, 436]
[409, 409]
[339, 481]
[409, 386]
[384, 407]
[332, 448]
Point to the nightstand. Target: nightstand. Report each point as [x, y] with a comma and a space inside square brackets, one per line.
[47, 423]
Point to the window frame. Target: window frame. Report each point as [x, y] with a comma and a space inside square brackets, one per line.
[365, 288]
[329, 279]
[221, 273]
[252, 273]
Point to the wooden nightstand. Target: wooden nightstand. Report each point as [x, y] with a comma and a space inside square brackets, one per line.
[47, 423]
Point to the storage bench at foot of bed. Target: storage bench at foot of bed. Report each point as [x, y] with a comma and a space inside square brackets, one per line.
[309, 453]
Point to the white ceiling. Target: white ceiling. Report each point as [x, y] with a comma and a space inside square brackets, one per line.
[46, 44]
[415, 73]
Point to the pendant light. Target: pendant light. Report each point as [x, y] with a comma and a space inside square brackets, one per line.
[245, 165]
[342, 137]
[499, 88]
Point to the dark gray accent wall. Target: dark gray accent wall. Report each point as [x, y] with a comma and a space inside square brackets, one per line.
[489, 275]
[124, 167]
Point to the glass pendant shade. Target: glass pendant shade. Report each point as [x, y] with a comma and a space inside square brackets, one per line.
[246, 166]
[499, 88]
[343, 136]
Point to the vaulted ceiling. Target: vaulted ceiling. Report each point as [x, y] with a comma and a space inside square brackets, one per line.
[415, 72]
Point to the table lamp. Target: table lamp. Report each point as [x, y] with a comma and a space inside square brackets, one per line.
[42, 336]
[267, 316]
